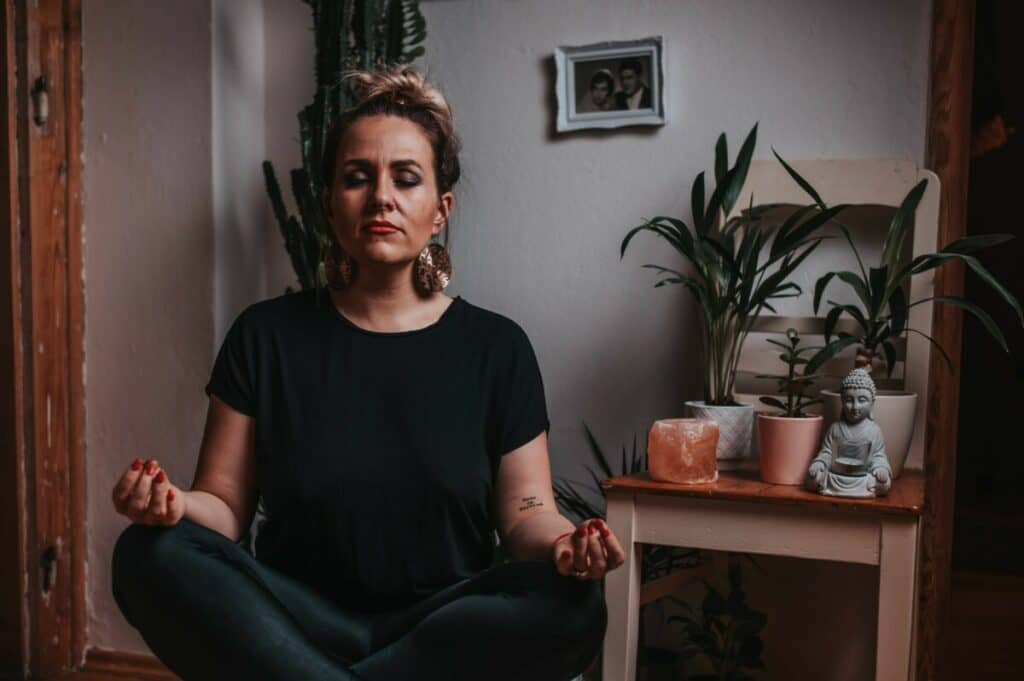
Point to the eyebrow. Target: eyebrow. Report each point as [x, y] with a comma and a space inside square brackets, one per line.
[396, 163]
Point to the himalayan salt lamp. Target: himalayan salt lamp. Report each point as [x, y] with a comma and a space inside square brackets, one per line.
[683, 451]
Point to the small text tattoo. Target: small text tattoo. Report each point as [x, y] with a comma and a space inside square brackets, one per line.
[530, 502]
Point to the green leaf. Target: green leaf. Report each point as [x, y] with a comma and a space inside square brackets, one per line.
[900, 222]
[878, 280]
[978, 242]
[859, 286]
[829, 351]
[819, 288]
[791, 239]
[697, 199]
[898, 310]
[771, 401]
[721, 159]
[715, 202]
[935, 343]
[741, 168]
[936, 259]
[982, 316]
[890, 357]
[804, 184]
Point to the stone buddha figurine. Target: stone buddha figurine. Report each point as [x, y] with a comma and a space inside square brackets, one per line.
[852, 460]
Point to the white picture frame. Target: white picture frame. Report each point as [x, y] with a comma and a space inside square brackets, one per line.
[610, 84]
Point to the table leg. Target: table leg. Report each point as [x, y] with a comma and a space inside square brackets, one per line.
[622, 594]
[897, 574]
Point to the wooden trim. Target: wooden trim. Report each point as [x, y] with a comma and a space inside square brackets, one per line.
[113, 665]
[948, 155]
[43, 355]
[75, 324]
[116, 664]
[13, 608]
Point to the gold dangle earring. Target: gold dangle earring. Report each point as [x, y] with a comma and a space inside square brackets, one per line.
[433, 268]
[339, 267]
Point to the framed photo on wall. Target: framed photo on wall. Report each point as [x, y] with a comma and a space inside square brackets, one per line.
[610, 84]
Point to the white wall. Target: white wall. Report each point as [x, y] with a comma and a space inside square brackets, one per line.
[148, 203]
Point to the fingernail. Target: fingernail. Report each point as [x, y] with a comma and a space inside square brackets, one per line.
[590, 529]
[137, 464]
[160, 476]
[581, 531]
[565, 554]
[605, 531]
[170, 495]
[150, 467]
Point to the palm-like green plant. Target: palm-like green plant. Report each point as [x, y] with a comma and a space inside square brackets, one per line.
[726, 632]
[796, 382]
[348, 34]
[882, 309]
[734, 276]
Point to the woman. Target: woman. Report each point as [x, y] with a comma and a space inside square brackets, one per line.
[391, 430]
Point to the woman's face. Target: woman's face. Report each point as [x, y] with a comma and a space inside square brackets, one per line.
[385, 171]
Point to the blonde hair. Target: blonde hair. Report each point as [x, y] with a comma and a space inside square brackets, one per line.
[404, 91]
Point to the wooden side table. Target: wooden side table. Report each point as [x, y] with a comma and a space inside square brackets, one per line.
[739, 512]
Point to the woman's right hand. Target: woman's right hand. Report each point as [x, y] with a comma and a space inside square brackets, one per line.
[147, 497]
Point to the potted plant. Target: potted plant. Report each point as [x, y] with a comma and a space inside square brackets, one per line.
[880, 312]
[790, 439]
[739, 265]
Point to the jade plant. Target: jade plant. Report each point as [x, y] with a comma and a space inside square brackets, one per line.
[794, 385]
[881, 310]
[739, 264]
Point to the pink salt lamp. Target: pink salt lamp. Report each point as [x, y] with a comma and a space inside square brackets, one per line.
[683, 451]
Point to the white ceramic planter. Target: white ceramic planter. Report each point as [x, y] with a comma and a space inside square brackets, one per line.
[735, 427]
[894, 413]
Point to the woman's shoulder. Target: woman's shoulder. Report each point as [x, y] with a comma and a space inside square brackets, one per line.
[283, 309]
[493, 325]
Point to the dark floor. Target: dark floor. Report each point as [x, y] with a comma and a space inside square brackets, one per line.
[986, 636]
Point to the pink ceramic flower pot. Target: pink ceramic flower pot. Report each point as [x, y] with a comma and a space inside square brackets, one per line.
[787, 446]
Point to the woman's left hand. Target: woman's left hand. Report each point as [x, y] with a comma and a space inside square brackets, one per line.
[589, 552]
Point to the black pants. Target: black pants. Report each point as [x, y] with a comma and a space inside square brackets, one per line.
[210, 610]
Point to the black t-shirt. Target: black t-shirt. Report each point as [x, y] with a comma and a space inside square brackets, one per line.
[377, 452]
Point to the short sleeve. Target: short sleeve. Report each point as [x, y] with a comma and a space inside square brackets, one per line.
[232, 378]
[519, 410]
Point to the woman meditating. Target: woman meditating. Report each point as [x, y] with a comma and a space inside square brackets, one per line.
[391, 430]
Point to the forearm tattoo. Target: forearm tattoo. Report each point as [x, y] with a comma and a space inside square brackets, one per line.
[531, 502]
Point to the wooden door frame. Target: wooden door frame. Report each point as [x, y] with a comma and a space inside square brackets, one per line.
[948, 155]
[42, 483]
[42, 369]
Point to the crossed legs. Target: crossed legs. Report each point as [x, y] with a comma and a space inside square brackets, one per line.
[209, 610]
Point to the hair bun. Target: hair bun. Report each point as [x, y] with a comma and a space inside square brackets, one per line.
[404, 85]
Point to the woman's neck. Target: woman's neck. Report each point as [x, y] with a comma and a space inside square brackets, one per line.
[389, 309]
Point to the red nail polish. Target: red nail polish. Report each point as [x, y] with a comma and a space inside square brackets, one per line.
[137, 464]
[170, 495]
[565, 554]
[590, 529]
[160, 477]
[581, 531]
[605, 531]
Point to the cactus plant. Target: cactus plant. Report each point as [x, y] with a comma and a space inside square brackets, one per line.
[348, 34]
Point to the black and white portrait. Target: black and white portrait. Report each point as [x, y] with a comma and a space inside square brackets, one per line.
[610, 84]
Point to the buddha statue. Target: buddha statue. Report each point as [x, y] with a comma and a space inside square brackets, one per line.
[852, 460]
